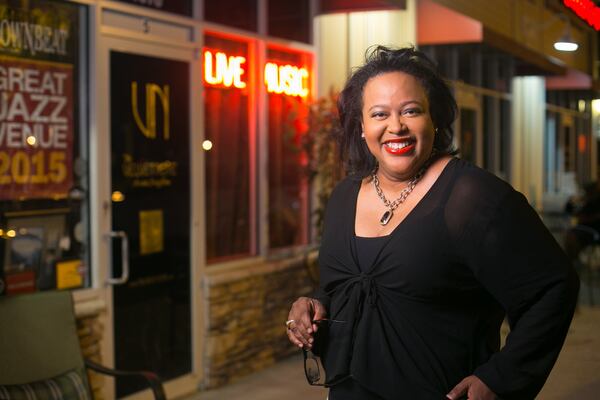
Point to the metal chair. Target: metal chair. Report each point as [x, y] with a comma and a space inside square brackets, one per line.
[40, 350]
[588, 257]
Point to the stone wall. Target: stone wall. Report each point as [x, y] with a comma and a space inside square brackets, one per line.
[89, 330]
[245, 326]
[244, 332]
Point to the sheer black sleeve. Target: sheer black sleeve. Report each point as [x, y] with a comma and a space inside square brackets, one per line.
[337, 200]
[322, 297]
[516, 259]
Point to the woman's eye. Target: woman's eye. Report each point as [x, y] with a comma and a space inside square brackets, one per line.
[378, 114]
[412, 111]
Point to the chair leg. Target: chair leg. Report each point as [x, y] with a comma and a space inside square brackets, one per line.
[590, 279]
[591, 286]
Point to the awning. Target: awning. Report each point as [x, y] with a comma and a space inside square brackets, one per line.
[341, 6]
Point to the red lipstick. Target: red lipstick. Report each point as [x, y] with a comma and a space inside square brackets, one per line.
[399, 147]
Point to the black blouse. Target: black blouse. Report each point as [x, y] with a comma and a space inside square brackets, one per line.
[427, 312]
[367, 249]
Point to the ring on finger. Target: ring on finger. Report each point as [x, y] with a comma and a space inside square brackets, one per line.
[289, 322]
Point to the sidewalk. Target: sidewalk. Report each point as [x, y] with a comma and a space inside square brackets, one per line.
[575, 376]
[283, 381]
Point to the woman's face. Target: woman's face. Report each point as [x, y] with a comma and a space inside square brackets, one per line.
[396, 123]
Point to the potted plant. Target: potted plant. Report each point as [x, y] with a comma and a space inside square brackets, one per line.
[324, 168]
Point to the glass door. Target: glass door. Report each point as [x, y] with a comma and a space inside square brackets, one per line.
[146, 222]
[468, 134]
[566, 153]
[150, 112]
[468, 129]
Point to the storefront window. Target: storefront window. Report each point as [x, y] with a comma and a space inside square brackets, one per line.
[489, 129]
[468, 126]
[551, 170]
[287, 79]
[183, 7]
[241, 14]
[582, 129]
[290, 20]
[227, 146]
[43, 148]
[505, 134]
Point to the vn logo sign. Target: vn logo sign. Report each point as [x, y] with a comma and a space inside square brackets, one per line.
[153, 93]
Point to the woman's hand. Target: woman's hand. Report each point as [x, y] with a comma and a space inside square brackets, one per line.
[300, 327]
[474, 388]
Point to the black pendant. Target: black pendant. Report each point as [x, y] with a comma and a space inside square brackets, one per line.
[385, 218]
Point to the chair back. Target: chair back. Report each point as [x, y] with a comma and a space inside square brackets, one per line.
[38, 337]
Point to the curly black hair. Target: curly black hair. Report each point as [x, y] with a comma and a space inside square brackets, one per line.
[379, 60]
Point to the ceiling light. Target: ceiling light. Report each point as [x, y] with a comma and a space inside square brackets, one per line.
[566, 42]
[565, 45]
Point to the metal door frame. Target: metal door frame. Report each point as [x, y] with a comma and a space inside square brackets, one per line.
[136, 37]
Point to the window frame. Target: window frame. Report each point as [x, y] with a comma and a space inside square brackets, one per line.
[74, 203]
[258, 131]
[251, 83]
[305, 189]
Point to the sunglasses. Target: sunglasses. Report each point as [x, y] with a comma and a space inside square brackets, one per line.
[313, 368]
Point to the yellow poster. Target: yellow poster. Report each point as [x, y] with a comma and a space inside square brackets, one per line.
[151, 232]
[68, 274]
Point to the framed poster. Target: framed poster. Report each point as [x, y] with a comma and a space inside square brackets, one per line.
[34, 245]
[38, 53]
[43, 140]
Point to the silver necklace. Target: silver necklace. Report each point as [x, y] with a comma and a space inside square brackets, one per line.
[392, 205]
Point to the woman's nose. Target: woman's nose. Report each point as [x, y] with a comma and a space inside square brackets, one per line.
[396, 126]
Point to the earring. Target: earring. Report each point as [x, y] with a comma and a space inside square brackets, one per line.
[435, 130]
[362, 135]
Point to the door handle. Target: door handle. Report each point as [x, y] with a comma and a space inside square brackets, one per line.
[124, 258]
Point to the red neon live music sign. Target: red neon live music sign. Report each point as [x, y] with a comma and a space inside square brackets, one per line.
[587, 10]
[221, 69]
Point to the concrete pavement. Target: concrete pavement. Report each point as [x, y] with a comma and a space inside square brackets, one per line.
[283, 381]
[575, 376]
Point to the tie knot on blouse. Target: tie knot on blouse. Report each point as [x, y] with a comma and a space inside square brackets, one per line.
[368, 288]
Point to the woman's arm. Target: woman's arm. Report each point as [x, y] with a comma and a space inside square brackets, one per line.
[520, 264]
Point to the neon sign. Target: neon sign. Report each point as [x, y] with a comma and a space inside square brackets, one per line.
[586, 10]
[223, 70]
[219, 69]
[286, 79]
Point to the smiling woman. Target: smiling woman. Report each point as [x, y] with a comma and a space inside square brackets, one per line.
[423, 254]
[397, 126]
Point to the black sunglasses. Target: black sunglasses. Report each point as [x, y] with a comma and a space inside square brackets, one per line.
[312, 363]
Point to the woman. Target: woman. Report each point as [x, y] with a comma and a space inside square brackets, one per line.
[423, 255]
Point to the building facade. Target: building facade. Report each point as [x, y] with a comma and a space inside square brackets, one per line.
[152, 154]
